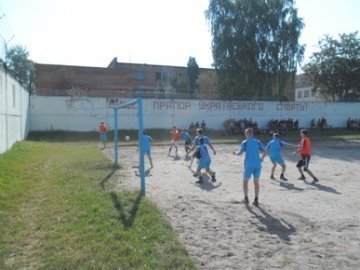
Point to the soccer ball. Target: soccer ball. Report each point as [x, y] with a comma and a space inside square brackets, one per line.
[127, 138]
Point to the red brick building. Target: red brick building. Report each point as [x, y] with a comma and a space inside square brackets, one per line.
[118, 79]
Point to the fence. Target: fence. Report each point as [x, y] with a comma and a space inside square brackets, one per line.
[14, 111]
[84, 113]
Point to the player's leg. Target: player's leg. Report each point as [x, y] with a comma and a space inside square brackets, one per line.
[299, 165]
[247, 175]
[171, 146]
[150, 159]
[176, 148]
[273, 169]
[211, 174]
[198, 173]
[306, 169]
[283, 169]
[256, 173]
[257, 191]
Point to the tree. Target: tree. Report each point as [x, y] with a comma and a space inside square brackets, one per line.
[334, 71]
[193, 72]
[255, 46]
[20, 67]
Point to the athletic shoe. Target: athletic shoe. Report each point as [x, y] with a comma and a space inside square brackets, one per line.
[315, 181]
[272, 177]
[256, 202]
[200, 181]
[302, 178]
[246, 200]
[282, 177]
[213, 178]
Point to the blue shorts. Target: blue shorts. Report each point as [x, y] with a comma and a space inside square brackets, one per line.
[255, 171]
[203, 164]
[277, 159]
[147, 152]
[103, 137]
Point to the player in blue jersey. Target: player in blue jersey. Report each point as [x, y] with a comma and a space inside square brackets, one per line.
[274, 149]
[196, 143]
[187, 139]
[147, 140]
[252, 165]
[204, 161]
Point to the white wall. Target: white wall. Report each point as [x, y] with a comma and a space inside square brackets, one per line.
[84, 114]
[14, 101]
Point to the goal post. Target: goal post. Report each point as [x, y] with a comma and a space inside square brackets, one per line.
[137, 101]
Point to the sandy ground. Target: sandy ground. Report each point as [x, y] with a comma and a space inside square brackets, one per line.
[296, 226]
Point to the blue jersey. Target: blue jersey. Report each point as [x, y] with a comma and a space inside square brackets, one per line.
[252, 147]
[204, 153]
[197, 138]
[186, 136]
[274, 147]
[147, 143]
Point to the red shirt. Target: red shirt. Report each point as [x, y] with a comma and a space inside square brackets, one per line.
[305, 147]
[102, 128]
[175, 135]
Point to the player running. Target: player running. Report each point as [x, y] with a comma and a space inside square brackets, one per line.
[204, 162]
[274, 149]
[187, 138]
[196, 143]
[305, 155]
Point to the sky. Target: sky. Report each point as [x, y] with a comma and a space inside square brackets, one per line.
[163, 32]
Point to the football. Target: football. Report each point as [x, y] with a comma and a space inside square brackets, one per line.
[127, 138]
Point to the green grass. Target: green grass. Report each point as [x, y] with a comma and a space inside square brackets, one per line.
[56, 214]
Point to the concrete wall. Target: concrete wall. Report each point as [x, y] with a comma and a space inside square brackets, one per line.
[14, 111]
[84, 114]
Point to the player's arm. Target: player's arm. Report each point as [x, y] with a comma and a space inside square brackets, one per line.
[212, 148]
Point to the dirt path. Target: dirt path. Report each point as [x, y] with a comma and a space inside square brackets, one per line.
[297, 226]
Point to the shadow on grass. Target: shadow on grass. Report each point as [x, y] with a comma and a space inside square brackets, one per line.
[273, 225]
[107, 177]
[127, 217]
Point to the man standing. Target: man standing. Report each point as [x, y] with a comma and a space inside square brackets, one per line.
[103, 136]
[305, 155]
[252, 148]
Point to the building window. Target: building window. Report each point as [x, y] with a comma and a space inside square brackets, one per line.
[139, 75]
[14, 95]
[306, 94]
[299, 95]
[161, 76]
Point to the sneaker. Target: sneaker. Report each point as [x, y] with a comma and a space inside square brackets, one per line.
[272, 177]
[301, 178]
[256, 202]
[246, 200]
[315, 181]
[200, 181]
[282, 177]
[213, 178]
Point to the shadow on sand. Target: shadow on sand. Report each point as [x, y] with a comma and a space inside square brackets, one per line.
[272, 225]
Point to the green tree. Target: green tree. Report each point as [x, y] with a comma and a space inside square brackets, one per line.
[193, 72]
[334, 71]
[21, 67]
[255, 46]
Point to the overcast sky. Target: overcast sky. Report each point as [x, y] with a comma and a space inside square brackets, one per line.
[164, 32]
